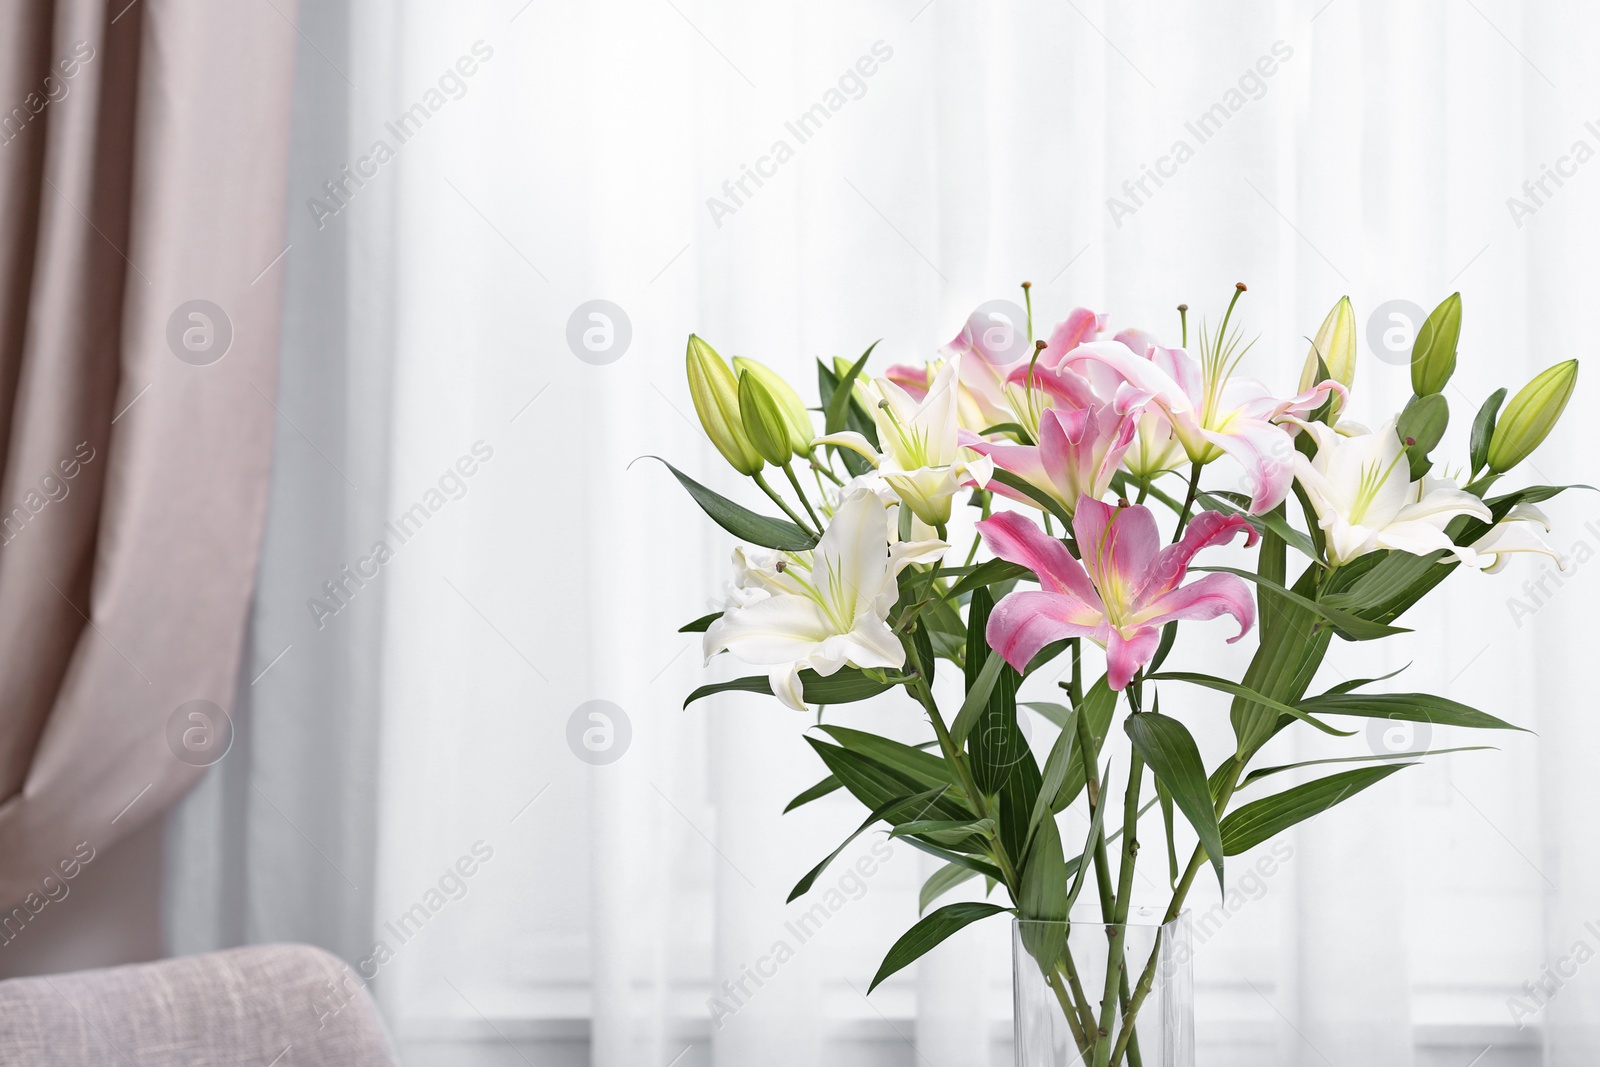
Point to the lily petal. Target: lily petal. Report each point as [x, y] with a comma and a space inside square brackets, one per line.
[854, 441]
[1126, 654]
[1025, 621]
[1204, 530]
[1206, 598]
[1421, 538]
[1014, 538]
[779, 629]
[785, 683]
[1267, 454]
[1509, 537]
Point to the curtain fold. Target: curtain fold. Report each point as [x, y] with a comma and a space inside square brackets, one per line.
[141, 183]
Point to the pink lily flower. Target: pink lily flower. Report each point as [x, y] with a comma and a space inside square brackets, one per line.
[1128, 588]
[1212, 412]
[1078, 452]
[993, 355]
[1157, 449]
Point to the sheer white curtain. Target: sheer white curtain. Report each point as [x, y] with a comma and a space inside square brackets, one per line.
[632, 910]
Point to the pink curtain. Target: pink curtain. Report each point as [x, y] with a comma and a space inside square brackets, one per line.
[143, 151]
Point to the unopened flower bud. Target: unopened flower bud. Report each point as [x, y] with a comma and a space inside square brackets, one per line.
[763, 420]
[796, 419]
[1335, 343]
[1529, 416]
[1433, 355]
[716, 401]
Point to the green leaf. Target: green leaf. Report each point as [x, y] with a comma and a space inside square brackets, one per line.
[740, 521]
[1350, 627]
[875, 784]
[899, 804]
[821, 789]
[989, 573]
[1264, 819]
[1357, 683]
[977, 701]
[1483, 430]
[1079, 865]
[1056, 765]
[1423, 421]
[828, 785]
[844, 686]
[1016, 429]
[1165, 797]
[700, 625]
[1018, 794]
[1533, 494]
[839, 403]
[1383, 585]
[1044, 894]
[988, 870]
[929, 932]
[1291, 650]
[922, 650]
[827, 383]
[946, 833]
[1059, 714]
[1222, 685]
[1265, 772]
[1406, 707]
[995, 743]
[942, 881]
[923, 766]
[1174, 758]
[1033, 493]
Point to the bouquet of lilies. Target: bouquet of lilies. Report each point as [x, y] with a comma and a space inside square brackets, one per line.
[1084, 457]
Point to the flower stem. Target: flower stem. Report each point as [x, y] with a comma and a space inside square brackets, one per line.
[1230, 782]
[1070, 1009]
[1119, 932]
[788, 468]
[778, 500]
[952, 754]
[1070, 970]
[1027, 298]
[824, 472]
[1188, 502]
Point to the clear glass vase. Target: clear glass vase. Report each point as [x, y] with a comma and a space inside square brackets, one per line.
[1060, 980]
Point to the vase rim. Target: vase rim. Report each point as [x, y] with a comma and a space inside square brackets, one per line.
[1138, 918]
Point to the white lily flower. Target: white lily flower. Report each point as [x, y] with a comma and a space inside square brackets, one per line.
[822, 609]
[922, 460]
[1360, 486]
[1511, 535]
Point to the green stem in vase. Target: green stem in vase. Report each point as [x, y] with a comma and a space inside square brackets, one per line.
[1230, 782]
[1069, 1009]
[1079, 995]
[1119, 930]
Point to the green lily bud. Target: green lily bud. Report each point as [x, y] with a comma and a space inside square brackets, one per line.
[1335, 342]
[795, 416]
[716, 401]
[1433, 355]
[763, 420]
[1529, 416]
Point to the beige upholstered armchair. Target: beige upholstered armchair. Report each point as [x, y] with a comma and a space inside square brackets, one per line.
[278, 1005]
